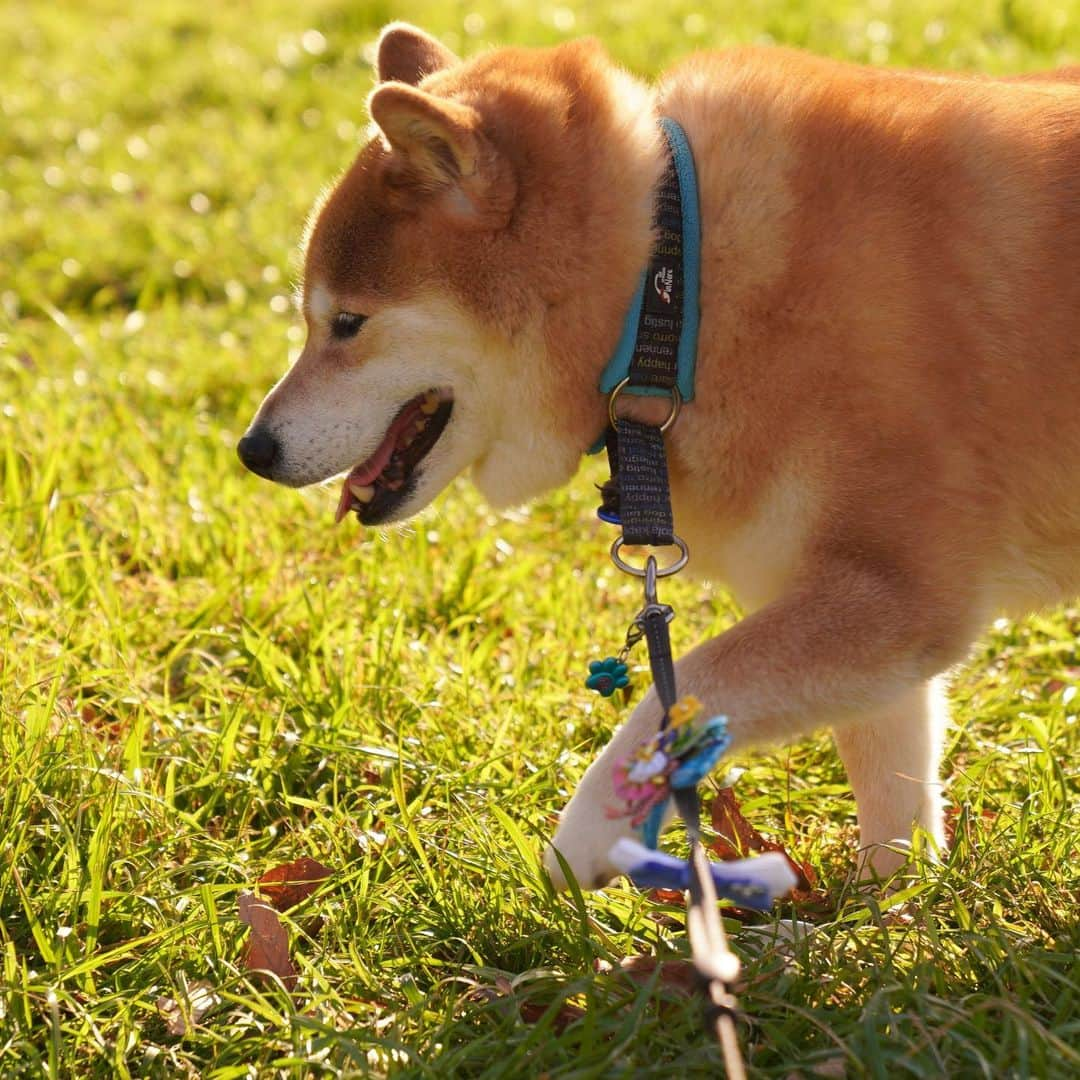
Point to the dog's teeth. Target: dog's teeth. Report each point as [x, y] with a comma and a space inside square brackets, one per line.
[420, 425]
[362, 492]
[429, 404]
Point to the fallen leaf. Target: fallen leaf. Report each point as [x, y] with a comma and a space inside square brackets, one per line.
[952, 820]
[286, 885]
[484, 992]
[677, 975]
[735, 834]
[667, 896]
[902, 919]
[268, 947]
[834, 1068]
[737, 838]
[198, 998]
[532, 1012]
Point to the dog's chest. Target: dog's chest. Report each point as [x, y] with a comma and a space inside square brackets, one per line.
[757, 556]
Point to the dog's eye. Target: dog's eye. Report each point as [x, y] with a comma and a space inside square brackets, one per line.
[345, 324]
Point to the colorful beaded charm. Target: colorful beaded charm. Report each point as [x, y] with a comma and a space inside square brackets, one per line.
[677, 757]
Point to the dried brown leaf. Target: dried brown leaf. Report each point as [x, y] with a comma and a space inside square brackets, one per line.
[268, 947]
[676, 975]
[532, 1012]
[834, 1068]
[985, 817]
[736, 834]
[286, 885]
[667, 896]
[737, 838]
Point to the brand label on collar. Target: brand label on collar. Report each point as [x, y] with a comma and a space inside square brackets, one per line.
[664, 283]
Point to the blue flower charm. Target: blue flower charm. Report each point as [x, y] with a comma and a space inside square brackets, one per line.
[608, 675]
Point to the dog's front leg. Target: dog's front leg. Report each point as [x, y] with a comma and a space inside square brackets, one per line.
[844, 648]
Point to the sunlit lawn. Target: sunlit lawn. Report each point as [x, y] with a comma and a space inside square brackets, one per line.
[200, 679]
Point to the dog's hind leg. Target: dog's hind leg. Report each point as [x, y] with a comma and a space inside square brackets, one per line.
[892, 755]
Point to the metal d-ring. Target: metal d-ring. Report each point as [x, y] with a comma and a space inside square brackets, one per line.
[651, 566]
[676, 403]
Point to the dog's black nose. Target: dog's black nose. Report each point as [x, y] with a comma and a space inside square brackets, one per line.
[258, 450]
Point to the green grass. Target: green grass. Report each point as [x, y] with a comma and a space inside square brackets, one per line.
[200, 679]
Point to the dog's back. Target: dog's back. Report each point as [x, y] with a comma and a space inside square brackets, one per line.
[891, 291]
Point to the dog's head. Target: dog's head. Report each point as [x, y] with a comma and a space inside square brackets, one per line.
[438, 282]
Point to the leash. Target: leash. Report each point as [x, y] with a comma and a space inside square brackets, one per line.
[716, 965]
[655, 356]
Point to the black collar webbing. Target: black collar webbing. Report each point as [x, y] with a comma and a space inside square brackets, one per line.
[636, 451]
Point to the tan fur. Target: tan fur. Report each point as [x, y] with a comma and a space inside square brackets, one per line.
[881, 454]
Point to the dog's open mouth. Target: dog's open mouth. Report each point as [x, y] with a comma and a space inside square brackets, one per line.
[375, 487]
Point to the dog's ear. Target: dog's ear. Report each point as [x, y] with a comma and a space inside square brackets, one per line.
[437, 139]
[406, 54]
[438, 147]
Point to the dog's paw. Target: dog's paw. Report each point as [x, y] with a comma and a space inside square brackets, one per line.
[583, 841]
[879, 864]
[595, 817]
[586, 834]
[887, 867]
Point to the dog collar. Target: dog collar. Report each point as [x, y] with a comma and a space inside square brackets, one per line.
[658, 347]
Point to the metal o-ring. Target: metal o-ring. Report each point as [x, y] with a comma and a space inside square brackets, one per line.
[641, 571]
[676, 403]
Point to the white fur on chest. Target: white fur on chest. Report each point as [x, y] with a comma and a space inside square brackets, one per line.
[757, 558]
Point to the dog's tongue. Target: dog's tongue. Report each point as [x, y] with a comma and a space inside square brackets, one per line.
[366, 472]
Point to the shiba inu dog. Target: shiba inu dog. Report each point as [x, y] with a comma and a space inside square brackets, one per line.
[881, 454]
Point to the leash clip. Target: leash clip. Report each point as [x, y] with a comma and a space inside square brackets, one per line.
[652, 607]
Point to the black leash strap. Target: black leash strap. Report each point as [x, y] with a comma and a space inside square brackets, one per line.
[654, 623]
[638, 497]
[716, 965]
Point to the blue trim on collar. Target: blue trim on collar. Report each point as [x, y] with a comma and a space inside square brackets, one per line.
[619, 364]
